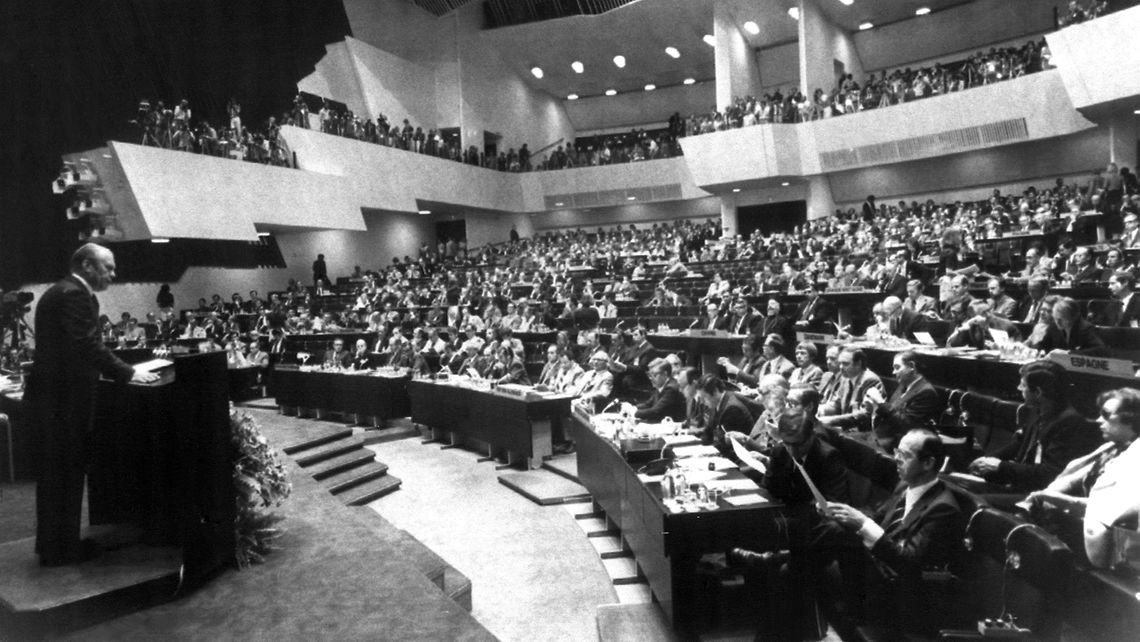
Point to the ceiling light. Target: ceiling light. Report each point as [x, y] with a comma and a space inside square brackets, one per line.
[650, 87]
[611, 92]
[537, 71]
[922, 11]
[785, 184]
[572, 97]
[689, 81]
[752, 27]
[577, 66]
[847, 2]
[160, 240]
[425, 212]
[709, 39]
[794, 12]
[865, 26]
[619, 61]
[736, 190]
[631, 198]
[672, 52]
[263, 234]
[558, 204]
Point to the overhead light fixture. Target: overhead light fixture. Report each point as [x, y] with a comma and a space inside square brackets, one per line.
[537, 72]
[558, 204]
[689, 81]
[709, 39]
[865, 26]
[611, 92]
[847, 3]
[106, 155]
[736, 190]
[577, 66]
[631, 198]
[619, 61]
[425, 212]
[650, 87]
[922, 11]
[672, 52]
[572, 97]
[159, 240]
[263, 234]
[785, 184]
[794, 12]
[752, 27]
[1136, 111]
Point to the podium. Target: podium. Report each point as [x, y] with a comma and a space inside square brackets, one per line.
[161, 458]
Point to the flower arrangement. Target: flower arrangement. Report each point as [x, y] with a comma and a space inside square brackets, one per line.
[260, 482]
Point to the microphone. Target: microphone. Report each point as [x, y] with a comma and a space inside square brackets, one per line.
[609, 405]
[694, 323]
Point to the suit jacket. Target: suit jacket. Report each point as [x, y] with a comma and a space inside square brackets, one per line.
[515, 373]
[907, 323]
[341, 360]
[745, 324]
[1082, 339]
[1112, 498]
[597, 386]
[780, 365]
[894, 286]
[925, 305]
[749, 373]
[1004, 306]
[928, 536]
[729, 415]
[1041, 450]
[851, 413]
[823, 463]
[906, 409]
[666, 402]
[1090, 274]
[816, 316]
[771, 325]
[1025, 309]
[809, 376]
[956, 309]
[978, 334]
[361, 362]
[1123, 317]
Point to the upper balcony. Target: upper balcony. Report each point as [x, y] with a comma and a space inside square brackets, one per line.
[1098, 62]
[1028, 108]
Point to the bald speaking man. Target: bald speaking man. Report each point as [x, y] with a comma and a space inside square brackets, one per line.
[60, 399]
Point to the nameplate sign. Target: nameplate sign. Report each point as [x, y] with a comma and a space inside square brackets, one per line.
[707, 333]
[815, 337]
[1094, 365]
[847, 289]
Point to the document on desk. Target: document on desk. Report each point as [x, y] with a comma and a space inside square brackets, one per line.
[681, 440]
[747, 457]
[746, 500]
[153, 364]
[683, 452]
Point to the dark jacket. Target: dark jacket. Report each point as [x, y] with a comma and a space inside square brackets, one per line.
[823, 463]
[1061, 439]
[1082, 339]
[666, 402]
[905, 410]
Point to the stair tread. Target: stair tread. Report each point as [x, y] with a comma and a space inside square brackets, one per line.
[340, 463]
[608, 546]
[621, 568]
[371, 490]
[327, 451]
[308, 435]
[594, 525]
[637, 593]
[354, 477]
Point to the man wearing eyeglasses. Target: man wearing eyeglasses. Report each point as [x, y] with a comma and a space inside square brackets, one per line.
[666, 400]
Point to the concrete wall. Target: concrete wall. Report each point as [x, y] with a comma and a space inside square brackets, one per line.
[821, 44]
[335, 77]
[779, 67]
[737, 70]
[636, 109]
[1097, 59]
[966, 27]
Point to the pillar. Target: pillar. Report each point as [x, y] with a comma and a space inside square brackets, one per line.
[729, 222]
[1122, 131]
[820, 202]
[737, 72]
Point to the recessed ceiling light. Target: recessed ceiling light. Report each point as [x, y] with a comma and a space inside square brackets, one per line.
[736, 190]
[577, 66]
[709, 39]
[619, 61]
[752, 27]
[572, 97]
[785, 184]
[672, 52]
[794, 12]
[425, 211]
[558, 204]
[611, 92]
[536, 71]
[846, 2]
[922, 11]
[631, 198]
[865, 26]
[160, 240]
[1136, 111]
[689, 81]
[650, 87]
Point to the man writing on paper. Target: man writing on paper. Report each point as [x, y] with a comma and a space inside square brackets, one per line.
[61, 399]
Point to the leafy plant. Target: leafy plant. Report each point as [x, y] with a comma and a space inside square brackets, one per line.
[260, 483]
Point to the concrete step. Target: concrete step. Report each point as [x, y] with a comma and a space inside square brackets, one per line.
[596, 527]
[621, 622]
[608, 547]
[391, 433]
[341, 463]
[636, 593]
[623, 570]
[354, 477]
[580, 510]
[370, 491]
[328, 451]
[457, 586]
[304, 436]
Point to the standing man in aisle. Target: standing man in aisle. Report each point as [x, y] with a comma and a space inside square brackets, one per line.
[320, 271]
[61, 398]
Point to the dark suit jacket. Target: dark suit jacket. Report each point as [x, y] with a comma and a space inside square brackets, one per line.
[818, 318]
[1090, 274]
[361, 362]
[771, 325]
[823, 463]
[729, 415]
[977, 335]
[666, 402]
[908, 323]
[895, 286]
[906, 410]
[744, 325]
[1061, 439]
[1123, 317]
[1083, 339]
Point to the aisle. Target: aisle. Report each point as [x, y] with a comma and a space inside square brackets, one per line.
[534, 575]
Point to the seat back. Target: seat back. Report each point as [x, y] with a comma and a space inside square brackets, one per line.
[872, 475]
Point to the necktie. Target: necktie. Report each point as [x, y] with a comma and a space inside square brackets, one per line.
[1031, 316]
[849, 394]
[1030, 443]
[1098, 469]
[894, 519]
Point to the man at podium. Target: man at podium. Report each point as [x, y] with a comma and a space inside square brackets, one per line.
[60, 399]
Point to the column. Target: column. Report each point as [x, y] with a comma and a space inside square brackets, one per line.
[1122, 130]
[820, 202]
[737, 72]
[728, 219]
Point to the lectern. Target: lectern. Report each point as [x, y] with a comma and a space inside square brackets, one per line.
[162, 459]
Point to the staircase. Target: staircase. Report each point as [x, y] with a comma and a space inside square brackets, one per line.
[336, 456]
